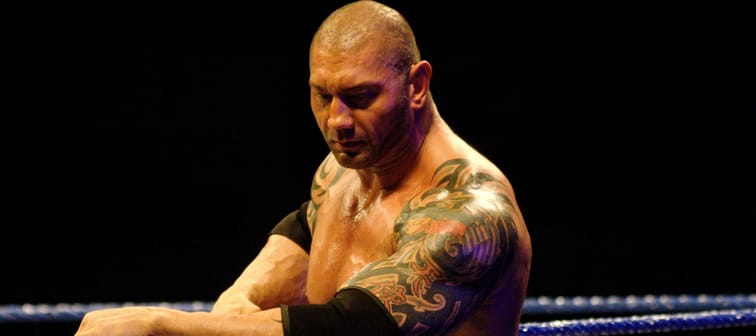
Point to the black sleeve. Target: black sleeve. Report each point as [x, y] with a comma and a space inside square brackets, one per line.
[294, 226]
[352, 311]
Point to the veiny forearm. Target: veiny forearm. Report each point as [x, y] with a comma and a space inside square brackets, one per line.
[263, 323]
[160, 321]
[277, 275]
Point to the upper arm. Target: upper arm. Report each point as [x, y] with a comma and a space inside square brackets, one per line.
[453, 243]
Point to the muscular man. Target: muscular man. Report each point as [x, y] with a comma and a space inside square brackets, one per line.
[409, 230]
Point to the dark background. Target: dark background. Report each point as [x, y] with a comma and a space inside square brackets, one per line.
[149, 152]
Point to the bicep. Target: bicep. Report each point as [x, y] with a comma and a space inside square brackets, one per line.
[277, 275]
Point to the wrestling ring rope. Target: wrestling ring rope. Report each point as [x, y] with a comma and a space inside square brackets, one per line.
[647, 314]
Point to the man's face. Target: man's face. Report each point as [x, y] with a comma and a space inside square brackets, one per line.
[360, 105]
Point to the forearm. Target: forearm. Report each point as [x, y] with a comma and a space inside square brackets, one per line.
[263, 323]
[161, 321]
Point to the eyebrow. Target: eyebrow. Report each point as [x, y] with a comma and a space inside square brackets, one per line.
[352, 89]
[361, 88]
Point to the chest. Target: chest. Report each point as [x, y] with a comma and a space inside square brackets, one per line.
[347, 238]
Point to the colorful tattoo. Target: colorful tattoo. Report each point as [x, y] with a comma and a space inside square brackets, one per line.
[454, 240]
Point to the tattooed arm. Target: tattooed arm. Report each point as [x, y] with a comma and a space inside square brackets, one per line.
[454, 241]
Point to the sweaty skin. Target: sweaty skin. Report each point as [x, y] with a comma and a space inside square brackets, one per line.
[401, 207]
[441, 257]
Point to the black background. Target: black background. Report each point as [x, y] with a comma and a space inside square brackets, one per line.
[150, 150]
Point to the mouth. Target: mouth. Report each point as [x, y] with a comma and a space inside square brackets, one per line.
[350, 148]
[349, 144]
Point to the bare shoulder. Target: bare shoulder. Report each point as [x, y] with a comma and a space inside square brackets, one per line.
[460, 184]
[468, 207]
[329, 173]
[457, 242]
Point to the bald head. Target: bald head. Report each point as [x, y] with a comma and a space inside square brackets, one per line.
[353, 26]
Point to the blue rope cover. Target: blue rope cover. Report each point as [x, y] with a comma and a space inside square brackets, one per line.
[691, 312]
[64, 312]
[636, 304]
[643, 324]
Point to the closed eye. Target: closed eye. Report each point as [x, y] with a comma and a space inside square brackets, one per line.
[359, 101]
[322, 99]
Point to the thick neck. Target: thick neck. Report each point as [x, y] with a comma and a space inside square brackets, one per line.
[397, 170]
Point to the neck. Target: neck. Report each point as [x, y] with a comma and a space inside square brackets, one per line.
[396, 170]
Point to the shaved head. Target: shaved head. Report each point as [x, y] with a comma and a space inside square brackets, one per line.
[351, 27]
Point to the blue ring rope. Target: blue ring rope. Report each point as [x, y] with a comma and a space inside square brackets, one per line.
[693, 312]
[636, 304]
[643, 324]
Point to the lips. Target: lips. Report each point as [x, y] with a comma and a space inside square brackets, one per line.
[350, 143]
[349, 146]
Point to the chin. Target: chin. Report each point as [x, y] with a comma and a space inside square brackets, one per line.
[351, 160]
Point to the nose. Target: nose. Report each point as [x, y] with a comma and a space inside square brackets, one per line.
[340, 116]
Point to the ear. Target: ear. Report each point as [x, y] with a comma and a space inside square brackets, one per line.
[419, 84]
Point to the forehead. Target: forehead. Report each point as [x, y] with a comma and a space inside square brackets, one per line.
[342, 68]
